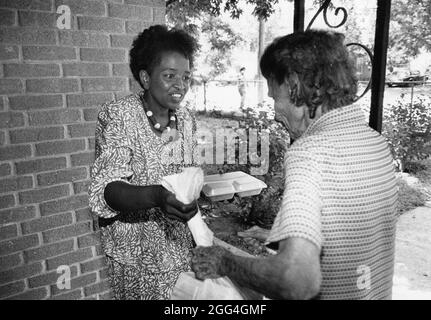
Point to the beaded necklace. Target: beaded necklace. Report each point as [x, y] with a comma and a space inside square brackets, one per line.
[172, 118]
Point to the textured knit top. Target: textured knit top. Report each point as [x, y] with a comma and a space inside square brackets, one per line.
[341, 194]
[128, 150]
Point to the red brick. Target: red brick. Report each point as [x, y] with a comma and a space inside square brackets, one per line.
[38, 19]
[11, 119]
[51, 53]
[82, 130]
[104, 84]
[60, 116]
[14, 152]
[121, 69]
[86, 69]
[159, 15]
[39, 165]
[19, 273]
[134, 85]
[8, 52]
[5, 169]
[27, 36]
[43, 194]
[18, 244]
[93, 265]
[69, 258]
[37, 294]
[83, 39]
[7, 17]
[7, 201]
[82, 159]
[81, 187]
[29, 102]
[48, 251]
[101, 24]
[130, 12]
[9, 231]
[16, 184]
[89, 240]
[30, 70]
[122, 41]
[9, 86]
[91, 114]
[84, 215]
[75, 283]
[62, 205]
[46, 223]
[105, 296]
[72, 295]
[27, 4]
[88, 99]
[10, 261]
[102, 55]
[12, 289]
[52, 85]
[91, 143]
[66, 232]
[103, 274]
[99, 251]
[83, 7]
[150, 3]
[57, 147]
[49, 278]
[36, 134]
[136, 27]
[97, 288]
[60, 176]
[17, 214]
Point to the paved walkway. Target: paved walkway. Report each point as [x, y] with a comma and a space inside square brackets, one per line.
[412, 279]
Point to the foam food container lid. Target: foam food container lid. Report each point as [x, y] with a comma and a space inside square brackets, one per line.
[224, 186]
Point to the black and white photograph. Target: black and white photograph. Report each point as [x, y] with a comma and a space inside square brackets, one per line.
[226, 152]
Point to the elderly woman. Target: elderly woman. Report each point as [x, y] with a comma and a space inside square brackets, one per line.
[144, 232]
[335, 229]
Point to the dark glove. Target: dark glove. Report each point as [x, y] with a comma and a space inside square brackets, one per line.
[175, 209]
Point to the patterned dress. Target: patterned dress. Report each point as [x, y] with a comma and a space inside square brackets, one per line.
[145, 251]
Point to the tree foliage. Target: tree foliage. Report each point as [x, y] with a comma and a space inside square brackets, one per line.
[262, 8]
[410, 30]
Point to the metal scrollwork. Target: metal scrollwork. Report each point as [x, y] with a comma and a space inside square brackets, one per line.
[324, 7]
[370, 55]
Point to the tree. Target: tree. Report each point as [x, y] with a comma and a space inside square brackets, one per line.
[221, 39]
[410, 29]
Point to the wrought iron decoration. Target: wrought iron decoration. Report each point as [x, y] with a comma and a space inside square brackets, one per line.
[324, 8]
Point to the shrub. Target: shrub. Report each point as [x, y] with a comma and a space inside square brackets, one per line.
[263, 208]
[407, 127]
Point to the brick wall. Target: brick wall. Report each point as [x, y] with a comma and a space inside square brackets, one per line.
[52, 82]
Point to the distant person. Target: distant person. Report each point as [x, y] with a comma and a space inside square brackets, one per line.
[145, 236]
[335, 230]
[241, 86]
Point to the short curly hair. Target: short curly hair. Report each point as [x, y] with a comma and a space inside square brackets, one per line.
[316, 65]
[150, 44]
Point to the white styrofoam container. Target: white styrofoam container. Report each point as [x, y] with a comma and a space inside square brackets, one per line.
[223, 186]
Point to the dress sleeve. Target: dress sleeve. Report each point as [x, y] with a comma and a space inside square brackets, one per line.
[113, 157]
[300, 211]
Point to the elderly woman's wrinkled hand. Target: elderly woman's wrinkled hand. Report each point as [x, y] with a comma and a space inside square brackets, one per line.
[207, 262]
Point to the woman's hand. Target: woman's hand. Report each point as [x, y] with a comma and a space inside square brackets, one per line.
[175, 209]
